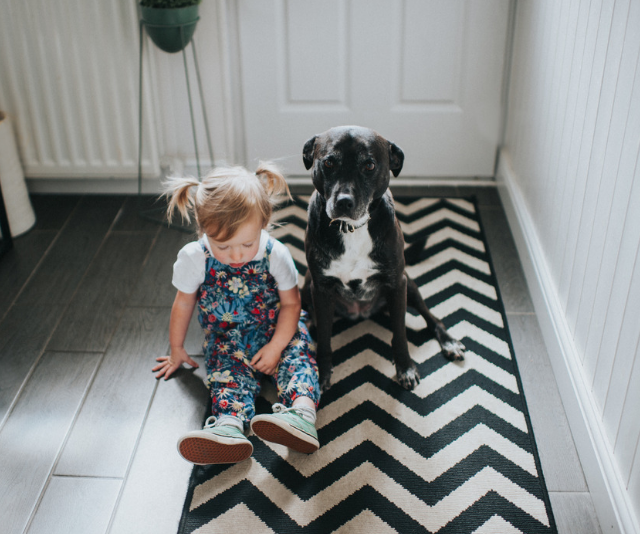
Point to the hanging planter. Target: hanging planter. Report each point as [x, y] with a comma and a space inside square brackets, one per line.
[170, 23]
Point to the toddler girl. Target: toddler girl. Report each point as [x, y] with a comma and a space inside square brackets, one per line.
[245, 286]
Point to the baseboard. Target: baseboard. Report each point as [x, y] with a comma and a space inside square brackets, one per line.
[610, 497]
[298, 184]
[111, 186]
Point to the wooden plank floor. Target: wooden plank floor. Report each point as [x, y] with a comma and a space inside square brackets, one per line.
[87, 435]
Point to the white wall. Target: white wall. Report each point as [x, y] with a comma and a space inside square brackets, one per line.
[570, 181]
[69, 81]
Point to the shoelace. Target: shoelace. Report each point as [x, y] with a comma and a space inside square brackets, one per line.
[300, 411]
[213, 421]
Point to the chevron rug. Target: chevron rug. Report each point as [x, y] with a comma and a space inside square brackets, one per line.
[456, 455]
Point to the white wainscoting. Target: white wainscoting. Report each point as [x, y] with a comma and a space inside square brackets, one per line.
[571, 186]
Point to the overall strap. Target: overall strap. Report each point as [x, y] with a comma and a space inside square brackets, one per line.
[269, 246]
[207, 254]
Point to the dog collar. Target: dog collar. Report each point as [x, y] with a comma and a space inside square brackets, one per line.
[345, 227]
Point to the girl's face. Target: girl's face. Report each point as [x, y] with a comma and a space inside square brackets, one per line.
[241, 248]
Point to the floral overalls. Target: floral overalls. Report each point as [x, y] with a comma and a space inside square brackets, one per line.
[238, 309]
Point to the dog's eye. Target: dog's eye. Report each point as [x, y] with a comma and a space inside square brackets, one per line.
[328, 163]
[370, 166]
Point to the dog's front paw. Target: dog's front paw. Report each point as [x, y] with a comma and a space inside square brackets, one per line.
[453, 350]
[325, 381]
[409, 378]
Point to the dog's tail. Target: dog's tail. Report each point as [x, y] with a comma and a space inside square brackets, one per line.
[413, 253]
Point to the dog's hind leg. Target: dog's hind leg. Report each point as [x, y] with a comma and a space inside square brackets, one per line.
[413, 251]
[452, 349]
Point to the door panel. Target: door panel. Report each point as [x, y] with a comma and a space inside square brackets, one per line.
[425, 74]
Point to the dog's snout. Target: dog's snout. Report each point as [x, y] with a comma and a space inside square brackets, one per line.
[345, 202]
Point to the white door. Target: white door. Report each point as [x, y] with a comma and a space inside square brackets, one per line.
[426, 74]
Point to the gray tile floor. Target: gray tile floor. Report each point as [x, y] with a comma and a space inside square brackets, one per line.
[87, 435]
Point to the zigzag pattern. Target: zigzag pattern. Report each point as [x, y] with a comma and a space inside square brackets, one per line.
[454, 455]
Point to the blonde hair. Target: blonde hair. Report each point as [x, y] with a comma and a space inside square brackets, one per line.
[227, 198]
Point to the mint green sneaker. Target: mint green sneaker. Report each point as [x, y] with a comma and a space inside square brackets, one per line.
[215, 444]
[288, 428]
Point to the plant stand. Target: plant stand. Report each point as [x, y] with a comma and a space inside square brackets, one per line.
[152, 214]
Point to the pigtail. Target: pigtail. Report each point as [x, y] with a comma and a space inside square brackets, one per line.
[178, 192]
[273, 181]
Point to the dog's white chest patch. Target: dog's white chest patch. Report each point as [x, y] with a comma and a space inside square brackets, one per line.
[355, 263]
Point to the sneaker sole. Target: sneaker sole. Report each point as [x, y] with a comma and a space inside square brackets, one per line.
[292, 438]
[203, 451]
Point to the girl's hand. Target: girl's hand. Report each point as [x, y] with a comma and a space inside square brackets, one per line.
[266, 359]
[169, 364]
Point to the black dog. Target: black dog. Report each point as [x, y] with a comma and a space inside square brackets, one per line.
[355, 248]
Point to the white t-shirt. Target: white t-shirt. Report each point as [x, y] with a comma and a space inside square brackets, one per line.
[189, 268]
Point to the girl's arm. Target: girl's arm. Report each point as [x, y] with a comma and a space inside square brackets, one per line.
[181, 313]
[267, 358]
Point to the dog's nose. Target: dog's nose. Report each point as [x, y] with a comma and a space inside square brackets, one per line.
[345, 202]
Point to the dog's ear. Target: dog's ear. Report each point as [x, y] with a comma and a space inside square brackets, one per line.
[396, 158]
[307, 152]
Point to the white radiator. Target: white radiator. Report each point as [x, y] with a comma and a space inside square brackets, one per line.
[69, 81]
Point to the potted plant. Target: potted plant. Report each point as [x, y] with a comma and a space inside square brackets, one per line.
[170, 23]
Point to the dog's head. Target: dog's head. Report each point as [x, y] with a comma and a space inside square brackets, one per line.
[351, 167]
